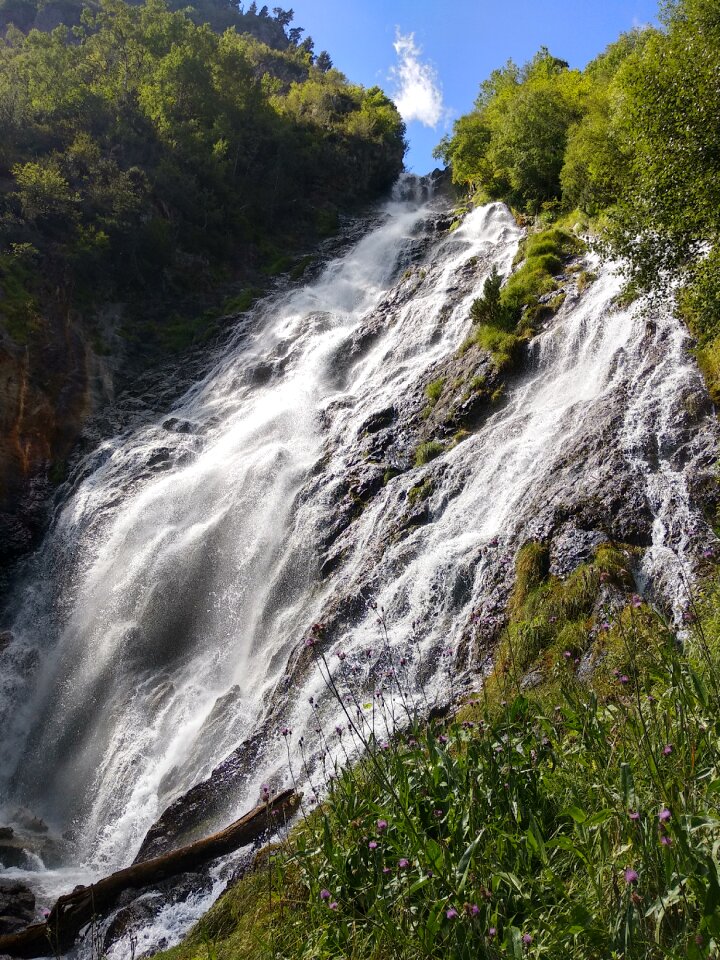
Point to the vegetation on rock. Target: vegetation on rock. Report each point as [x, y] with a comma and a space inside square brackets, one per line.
[630, 142]
[568, 811]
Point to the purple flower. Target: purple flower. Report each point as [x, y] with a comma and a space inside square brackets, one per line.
[451, 913]
[664, 815]
[567, 655]
[324, 894]
[402, 864]
[492, 932]
[381, 825]
[665, 841]
[310, 642]
[443, 739]
[708, 554]
[437, 813]
[527, 939]
[373, 844]
[631, 876]
[333, 905]
[286, 731]
[387, 870]
[636, 601]
[634, 815]
[474, 909]
[605, 625]
[667, 749]
[624, 679]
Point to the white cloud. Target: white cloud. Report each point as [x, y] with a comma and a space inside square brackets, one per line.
[418, 94]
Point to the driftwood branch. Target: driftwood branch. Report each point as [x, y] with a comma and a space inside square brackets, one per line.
[75, 910]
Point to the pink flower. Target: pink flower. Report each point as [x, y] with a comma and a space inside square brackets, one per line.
[373, 845]
[402, 864]
[664, 815]
[324, 894]
[451, 913]
[631, 876]
[333, 905]
[381, 825]
[667, 749]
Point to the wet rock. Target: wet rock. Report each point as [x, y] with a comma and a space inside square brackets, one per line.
[572, 546]
[17, 906]
[28, 821]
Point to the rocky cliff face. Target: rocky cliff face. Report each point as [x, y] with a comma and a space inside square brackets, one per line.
[48, 387]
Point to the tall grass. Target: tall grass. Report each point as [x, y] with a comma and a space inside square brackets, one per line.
[558, 822]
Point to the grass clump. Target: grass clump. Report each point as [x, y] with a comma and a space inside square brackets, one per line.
[421, 491]
[433, 391]
[428, 451]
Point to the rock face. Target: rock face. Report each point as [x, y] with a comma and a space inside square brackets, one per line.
[17, 906]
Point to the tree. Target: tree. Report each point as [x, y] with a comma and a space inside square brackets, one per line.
[284, 17]
[323, 61]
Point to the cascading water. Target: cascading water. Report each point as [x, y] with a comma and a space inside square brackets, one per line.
[156, 629]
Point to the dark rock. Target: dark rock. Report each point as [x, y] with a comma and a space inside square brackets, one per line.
[17, 906]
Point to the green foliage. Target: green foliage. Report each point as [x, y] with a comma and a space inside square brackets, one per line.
[144, 142]
[502, 345]
[428, 451]
[433, 391]
[579, 827]
[631, 142]
[421, 491]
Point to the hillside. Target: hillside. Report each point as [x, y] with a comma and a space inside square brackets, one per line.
[155, 172]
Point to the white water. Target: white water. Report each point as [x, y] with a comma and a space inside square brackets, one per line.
[181, 574]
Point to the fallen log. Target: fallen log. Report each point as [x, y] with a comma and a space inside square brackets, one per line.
[75, 910]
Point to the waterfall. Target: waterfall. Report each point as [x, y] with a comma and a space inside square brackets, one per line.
[159, 625]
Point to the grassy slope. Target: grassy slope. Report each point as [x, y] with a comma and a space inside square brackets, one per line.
[573, 818]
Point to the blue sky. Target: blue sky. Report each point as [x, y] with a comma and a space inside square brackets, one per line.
[454, 46]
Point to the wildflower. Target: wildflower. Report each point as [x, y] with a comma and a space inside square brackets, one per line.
[373, 845]
[708, 554]
[667, 749]
[438, 813]
[387, 870]
[324, 894]
[474, 909]
[443, 739]
[381, 825]
[664, 815]
[636, 601]
[605, 625]
[634, 816]
[265, 791]
[624, 679]
[342, 656]
[451, 913]
[310, 642]
[429, 874]
[527, 939]
[492, 932]
[333, 906]
[631, 876]
[665, 840]
[286, 731]
[403, 864]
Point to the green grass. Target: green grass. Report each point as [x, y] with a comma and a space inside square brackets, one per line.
[428, 451]
[433, 391]
[577, 820]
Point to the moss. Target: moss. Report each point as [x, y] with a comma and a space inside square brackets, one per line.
[428, 451]
[433, 391]
[389, 475]
[242, 301]
[584, 280]
[550, 618]
[503, 347]
[421, 491]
